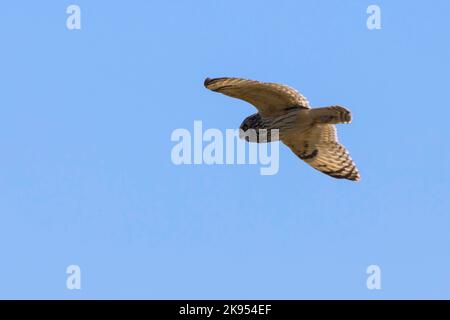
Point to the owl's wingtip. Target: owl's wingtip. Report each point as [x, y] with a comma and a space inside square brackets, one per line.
[214, 83]
[207, 82]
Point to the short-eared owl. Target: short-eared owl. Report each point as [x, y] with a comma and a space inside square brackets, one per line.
[309, 133]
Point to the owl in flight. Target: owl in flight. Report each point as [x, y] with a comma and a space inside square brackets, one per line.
[309, 133]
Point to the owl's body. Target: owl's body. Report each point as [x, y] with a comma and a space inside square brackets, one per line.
[296, 121]
[309, 133]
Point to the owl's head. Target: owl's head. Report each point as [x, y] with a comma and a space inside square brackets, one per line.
[249, 129]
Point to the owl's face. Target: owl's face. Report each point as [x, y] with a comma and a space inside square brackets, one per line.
[249, 128]
[251, 122]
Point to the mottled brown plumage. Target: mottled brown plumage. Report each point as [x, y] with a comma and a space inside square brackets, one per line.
[309, 133]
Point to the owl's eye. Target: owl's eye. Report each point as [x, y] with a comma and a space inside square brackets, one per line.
[244, 127]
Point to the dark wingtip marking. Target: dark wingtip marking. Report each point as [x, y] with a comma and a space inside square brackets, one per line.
[352, 175]
[207, 82]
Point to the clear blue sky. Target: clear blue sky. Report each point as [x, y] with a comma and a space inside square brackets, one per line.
[86, 176]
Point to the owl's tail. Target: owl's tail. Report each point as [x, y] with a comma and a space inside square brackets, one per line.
[331, 115]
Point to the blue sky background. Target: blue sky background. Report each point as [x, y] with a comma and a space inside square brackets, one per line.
[86, 176]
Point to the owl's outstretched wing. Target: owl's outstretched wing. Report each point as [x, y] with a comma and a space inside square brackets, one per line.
[318, 146]
[271, 99]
